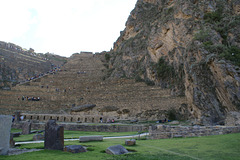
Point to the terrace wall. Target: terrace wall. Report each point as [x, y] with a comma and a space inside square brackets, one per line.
[165, 131]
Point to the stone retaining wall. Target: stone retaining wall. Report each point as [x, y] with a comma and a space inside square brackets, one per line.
[63, 118]
[164, 131]
[94, 128]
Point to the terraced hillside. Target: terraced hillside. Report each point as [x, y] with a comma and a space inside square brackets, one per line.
[79, 86]
[17, 64]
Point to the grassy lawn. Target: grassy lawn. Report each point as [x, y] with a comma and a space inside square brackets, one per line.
[13, 130]
[223, 147]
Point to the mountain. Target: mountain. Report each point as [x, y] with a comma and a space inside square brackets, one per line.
[18, 64]
[191, 47]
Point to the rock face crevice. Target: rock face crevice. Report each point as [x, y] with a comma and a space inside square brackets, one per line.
[191, 47]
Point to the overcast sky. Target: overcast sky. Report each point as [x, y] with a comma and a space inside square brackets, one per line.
[64, 27]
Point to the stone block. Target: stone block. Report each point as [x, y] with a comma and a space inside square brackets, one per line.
[5, 129]
[116, 150]
[90, 138]
[130, 142]
[38, 137]
[11, 142]
[26, 128]
[74, 149]
[54, 136]
[17, 116]
[177, 136]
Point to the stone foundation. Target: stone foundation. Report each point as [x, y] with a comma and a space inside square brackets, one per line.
[164, 131]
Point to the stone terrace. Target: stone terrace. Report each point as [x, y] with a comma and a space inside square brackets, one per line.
[81, 82]
[17, 66]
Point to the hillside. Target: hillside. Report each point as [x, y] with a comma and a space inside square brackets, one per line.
[18, 64]
[189, 47]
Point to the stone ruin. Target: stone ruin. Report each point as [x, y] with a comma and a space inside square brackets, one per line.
[26, 128]
[74, 149]
[116, 150]
[166, 131]
[5, 125]
[130, 142]
[12, 142]
[54, 136]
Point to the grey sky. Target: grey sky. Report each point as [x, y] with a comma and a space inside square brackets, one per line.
[64, 26]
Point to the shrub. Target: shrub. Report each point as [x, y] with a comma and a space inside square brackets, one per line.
[232, 53]
[138, 79]
[170, 10]
[172, 114]
[216, 16]
[202, 35]
[149, 82]
[164, 70]
[107, 57]
[207, 43]
[213, 17]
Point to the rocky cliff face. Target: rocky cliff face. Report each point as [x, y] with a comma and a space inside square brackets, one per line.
[192, 47]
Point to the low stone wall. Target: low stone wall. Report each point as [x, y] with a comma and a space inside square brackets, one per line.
[164, 131]
[93, 128]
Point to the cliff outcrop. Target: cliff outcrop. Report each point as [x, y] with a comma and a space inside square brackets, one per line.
[191, 47]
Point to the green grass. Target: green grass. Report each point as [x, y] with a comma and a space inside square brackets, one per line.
[24, 138]
[13, 130]
[223, 147]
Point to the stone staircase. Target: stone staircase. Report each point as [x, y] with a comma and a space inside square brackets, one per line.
[80, 82]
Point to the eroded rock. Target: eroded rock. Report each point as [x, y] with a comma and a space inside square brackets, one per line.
[74, 149]
[83, 108]
[130, 142]
[116, 150]
[38, 137]
[26, 128]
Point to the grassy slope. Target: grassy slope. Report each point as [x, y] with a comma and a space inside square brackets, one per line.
[212, 147]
